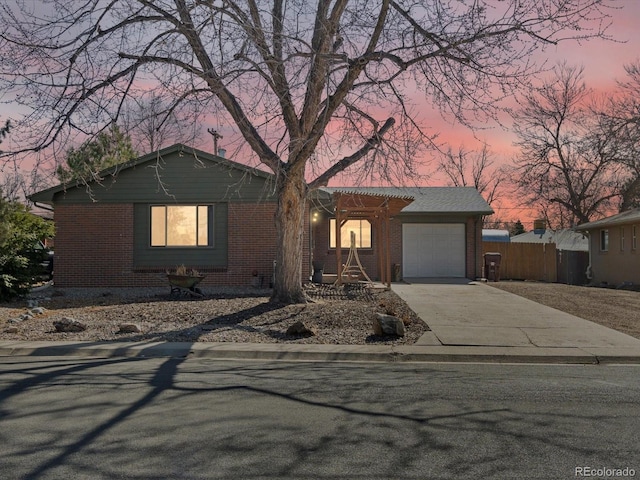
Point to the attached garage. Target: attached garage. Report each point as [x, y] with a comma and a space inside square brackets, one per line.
[433, 250]
[438, 234]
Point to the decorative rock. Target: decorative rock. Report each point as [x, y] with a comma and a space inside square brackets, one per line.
[129, 328]
[14, 320]
[69, 325]
[387, 325]
[11, 330]
[37, 311]
[26, 316]
[300, 328]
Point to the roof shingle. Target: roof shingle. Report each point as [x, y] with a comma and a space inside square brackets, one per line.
[436, 200]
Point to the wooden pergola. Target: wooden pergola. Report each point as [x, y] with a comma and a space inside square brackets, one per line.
[378, 210]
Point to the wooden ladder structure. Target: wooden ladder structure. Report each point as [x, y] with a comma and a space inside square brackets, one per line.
[353, 270]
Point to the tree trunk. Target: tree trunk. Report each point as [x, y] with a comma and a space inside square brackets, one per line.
[289, 219]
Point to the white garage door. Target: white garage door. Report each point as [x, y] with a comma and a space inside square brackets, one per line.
[433, 250]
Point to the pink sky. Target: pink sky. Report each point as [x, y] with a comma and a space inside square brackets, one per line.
[603, 63]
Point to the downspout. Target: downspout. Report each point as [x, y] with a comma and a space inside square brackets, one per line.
[477, 247]
[589, 272]
[48, 208]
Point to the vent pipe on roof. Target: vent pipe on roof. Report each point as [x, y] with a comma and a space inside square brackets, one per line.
[222, 152]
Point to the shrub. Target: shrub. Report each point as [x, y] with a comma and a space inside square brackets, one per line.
[20, 254]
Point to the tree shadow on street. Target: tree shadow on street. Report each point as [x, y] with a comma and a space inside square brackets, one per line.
[235, 420]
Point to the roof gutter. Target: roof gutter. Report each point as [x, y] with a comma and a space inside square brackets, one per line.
[43, 207]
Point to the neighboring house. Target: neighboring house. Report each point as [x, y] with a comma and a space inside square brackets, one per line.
[613, 248]
[565, 240]
[182, 206]
[439, 234]
[495, 235]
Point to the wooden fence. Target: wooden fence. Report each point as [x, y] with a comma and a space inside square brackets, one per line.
[525, 261]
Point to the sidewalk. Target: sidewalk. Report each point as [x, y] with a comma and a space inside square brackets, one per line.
[470, 322]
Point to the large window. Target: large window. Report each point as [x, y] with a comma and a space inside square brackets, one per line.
[361, 228]
[604, 240]
[181, 225]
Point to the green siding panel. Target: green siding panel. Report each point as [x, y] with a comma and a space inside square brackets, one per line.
[146, 256]
[177, 177]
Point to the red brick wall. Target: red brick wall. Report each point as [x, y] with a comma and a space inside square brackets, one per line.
[474, 248]
[252, 244]
[94, 247]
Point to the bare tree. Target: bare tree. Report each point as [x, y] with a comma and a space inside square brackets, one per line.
[152, 123]
[568, 164]
[466, 168]
[312, 87]
[620, 117]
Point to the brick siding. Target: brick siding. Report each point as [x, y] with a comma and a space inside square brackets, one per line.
[94, 247]
[474, 247]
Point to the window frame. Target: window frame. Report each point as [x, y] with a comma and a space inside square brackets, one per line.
[210, 222]
[333, 228]
[622, 232]
[634, 237]
[604, 240]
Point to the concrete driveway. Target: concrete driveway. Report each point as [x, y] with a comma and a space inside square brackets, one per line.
[461, 312]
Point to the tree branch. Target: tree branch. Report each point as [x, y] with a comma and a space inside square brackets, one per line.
[348, 161]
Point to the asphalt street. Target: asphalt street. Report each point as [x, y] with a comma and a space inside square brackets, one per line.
[201, 418]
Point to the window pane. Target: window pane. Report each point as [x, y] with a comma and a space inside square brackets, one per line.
[604, 240]
[203, 225]
[332, 233]
[361, 228]
[181, 226]
[365, 234]
[158, 226]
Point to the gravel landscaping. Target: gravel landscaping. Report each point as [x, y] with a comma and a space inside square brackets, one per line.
[337, 316]
[614, 308]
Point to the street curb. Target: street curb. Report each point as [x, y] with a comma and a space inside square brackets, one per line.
[319, 353]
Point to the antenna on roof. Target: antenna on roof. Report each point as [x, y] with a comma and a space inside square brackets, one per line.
[216, 136]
